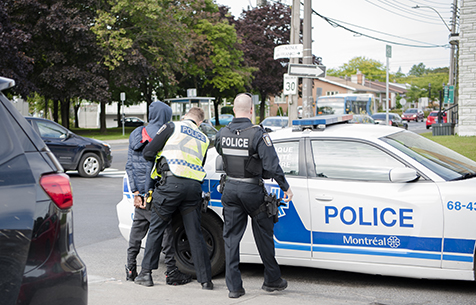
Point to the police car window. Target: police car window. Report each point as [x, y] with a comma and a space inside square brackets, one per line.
[288, 154]
[48, 130]
[351, 160]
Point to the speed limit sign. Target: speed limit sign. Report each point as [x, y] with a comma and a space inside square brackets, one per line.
[290, 84]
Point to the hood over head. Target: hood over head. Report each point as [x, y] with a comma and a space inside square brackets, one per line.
[159, 114]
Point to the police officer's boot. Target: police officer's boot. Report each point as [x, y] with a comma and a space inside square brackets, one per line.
[131, 273]
[175, 277]
[144, 278]
[277, 285]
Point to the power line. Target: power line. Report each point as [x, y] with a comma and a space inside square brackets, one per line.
[335, 24]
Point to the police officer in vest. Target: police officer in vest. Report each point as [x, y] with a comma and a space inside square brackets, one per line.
[179, 150]
[248, 156]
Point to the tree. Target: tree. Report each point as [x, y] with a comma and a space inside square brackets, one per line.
[418, 70]
[261, 30]
[15, 64]
[372, 69]
[64, 50]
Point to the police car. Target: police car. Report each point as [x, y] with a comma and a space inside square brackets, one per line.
[367, 198]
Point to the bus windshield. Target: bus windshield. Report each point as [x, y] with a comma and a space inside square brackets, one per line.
[344, 104]
[331, 106]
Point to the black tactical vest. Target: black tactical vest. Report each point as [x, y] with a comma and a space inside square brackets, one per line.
[240, 160]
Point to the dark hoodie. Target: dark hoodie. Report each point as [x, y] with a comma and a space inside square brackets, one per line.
[137, 168]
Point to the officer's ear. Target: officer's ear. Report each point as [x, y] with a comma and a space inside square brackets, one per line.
[219, 164]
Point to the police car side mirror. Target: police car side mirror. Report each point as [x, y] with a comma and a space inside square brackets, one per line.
[403, 174]
[219, 164]
[267, 129]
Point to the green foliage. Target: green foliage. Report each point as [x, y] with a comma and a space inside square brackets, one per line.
[227, 110]
[372, 69]
[280, 111]
[419, 85]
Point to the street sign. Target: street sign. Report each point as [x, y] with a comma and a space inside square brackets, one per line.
[290, 84]
[449, 94]
[306, 71]
[388, 51]
[288, 51]
[403, 102]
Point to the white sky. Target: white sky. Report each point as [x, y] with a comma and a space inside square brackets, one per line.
[337, 46]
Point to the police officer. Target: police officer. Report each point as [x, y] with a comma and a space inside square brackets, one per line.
[248, 156]
[179, 151]
[138, 170]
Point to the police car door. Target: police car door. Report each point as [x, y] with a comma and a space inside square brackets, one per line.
[292, 233]
[359, 215]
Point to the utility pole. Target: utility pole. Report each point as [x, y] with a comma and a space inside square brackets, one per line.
[307, 59]
[295, 28]
[452, 76]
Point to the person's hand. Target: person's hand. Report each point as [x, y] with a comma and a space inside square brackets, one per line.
[138, 201]
[288, 195]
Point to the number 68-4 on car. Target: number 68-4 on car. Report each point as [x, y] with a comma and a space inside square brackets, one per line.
[367, 198]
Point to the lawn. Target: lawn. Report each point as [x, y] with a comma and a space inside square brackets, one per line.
[112, 133]
[464, 145]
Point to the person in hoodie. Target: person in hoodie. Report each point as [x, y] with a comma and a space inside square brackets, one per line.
[138, 170]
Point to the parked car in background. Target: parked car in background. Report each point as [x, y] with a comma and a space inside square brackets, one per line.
[223, 119]
[132, 122]
[362, 119]
[275, 122]
[394, 119]
[38, 261]
[87, 156]
[210, 132]
[432, 118]
[413, 114]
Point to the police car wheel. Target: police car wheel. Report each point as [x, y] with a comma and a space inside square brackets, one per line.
[89, 166]
[212, 230]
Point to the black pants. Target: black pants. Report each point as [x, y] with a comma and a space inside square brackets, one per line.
[140, 226]
[239, 200]
[184, 195]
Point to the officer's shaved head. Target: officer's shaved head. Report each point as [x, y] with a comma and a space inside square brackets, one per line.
[243, 105]
[195, 114]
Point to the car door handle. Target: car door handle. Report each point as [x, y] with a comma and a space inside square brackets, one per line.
[324, 198]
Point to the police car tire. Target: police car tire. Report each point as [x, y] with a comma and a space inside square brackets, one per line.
[89, 157]
[212, 229]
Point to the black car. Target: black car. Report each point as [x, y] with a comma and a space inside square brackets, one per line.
[87, 156]
[394, 119]
[132, 122]
[38, 261]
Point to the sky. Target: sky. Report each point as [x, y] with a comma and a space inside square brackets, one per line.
[393, 21]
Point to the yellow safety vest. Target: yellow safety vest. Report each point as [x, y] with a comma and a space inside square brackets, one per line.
[184, 152]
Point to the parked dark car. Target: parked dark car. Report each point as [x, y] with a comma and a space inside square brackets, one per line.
[362, 119]
[413, 114]
[87, 156]
[132, 122]
[38, 261]
[394, 119]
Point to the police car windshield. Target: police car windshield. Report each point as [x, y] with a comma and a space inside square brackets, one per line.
[443, 161]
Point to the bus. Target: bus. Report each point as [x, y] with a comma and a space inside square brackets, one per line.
[345, 104]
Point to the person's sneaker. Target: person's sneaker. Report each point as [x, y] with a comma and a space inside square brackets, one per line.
[175, 277]
[144, 279]
[278, 285]
[236, 294]
[131, 273]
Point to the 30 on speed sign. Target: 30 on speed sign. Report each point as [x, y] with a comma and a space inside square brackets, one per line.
[290, 84]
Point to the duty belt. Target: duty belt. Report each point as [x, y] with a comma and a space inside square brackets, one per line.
[253, 180]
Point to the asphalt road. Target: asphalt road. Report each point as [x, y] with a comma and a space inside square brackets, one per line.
[103, 249]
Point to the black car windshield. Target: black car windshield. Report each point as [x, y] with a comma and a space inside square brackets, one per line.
[443, 161]
[382, 116]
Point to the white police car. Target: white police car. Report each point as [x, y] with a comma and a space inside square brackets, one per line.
[370, 199]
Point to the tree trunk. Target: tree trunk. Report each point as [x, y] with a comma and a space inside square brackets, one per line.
[76, 107]
[262, 106]
[215, 104]
[65, 113]
[102, 118]
[119, 114]
[55, 110]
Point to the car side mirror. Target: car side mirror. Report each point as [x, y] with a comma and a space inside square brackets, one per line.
[403, 174]
[267, 129]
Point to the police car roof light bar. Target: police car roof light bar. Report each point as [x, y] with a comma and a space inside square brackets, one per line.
[320, 122]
